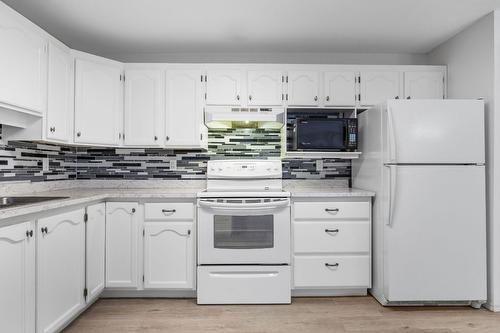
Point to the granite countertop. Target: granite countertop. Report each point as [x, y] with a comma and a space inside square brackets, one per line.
[301, 192]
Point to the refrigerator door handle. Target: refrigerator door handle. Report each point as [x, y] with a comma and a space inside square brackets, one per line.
[392, 136]
[392, 192]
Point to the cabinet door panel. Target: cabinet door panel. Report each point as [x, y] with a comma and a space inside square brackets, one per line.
[143, 107]
[17, 276]
[95, 239]
[97, 103]
[61, 269]
[265, 88]
[59, 94]
[303, 88]
[121, 244]
[223, 87]
[23, 64]
[184, 112]
[340, 89]
[169, 255]
[424, 85]
[377, 87]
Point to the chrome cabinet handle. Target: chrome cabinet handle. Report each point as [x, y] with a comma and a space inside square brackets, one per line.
[409, 97]
[397, 97]
[331, 230]
[331, 210]
[29, 233]
[315, 98]
[156, 138]
[168, 138]
[168, 211]
[332, 265]
[78, 134]
[133, 210]
[238, 97]
[189, 232]
[327, 98]
[250, 97]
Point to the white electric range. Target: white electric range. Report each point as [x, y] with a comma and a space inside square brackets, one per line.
[244, 234]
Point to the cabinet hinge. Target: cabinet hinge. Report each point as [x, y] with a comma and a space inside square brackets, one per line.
[201, 77]
[282, 97]
[286, 97]
[143, 278]
[120, 77]
[282, 78]
[359, 97]
[287, 79]
[143, 232]
[205, 95]
[85, 217]
[201, 137]
[123, 77]
[359, 79]
[205, 78]
[85, 292]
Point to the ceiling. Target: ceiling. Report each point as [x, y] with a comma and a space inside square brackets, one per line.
[189, 26]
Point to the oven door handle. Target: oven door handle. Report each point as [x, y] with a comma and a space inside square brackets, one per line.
[245, 206]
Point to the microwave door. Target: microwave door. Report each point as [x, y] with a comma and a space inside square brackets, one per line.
[321, 135]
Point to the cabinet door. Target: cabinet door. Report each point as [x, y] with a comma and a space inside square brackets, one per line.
[121, 244]
[169, 255]
[340, 88]
[143, 107]
[223, 87]
[303, 88]
[424, 85]
[377, 87]
[61, 269]
[59, 94]
[265, 88]
[17, 276]
[23, 64]
[95, 247]
[184, 111]
[97, 103]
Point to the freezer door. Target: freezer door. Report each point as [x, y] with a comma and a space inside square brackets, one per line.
[435, 233]
[434, 131]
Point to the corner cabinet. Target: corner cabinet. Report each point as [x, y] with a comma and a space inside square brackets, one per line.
[61, 269]
[17, 276]
[379, 86]
[122, 234]
[98, 102]
[184, 109]
[424, 85]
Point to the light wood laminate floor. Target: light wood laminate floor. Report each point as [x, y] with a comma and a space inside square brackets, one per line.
[339, 314]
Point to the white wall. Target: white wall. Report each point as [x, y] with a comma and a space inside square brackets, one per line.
[470, 57]
[287, 58]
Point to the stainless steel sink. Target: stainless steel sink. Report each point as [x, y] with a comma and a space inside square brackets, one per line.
[6, 202]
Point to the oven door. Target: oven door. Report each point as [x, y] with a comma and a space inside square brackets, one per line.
[244, 231]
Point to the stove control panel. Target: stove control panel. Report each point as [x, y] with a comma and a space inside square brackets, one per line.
[244, 169]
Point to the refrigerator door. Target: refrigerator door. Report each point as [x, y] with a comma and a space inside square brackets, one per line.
[434, 233]
[434, 132]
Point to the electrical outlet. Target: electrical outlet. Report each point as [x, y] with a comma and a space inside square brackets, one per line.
[319, 165]
[45, 164]
[173, 165]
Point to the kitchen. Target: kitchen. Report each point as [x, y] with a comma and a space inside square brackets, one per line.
[152, 182]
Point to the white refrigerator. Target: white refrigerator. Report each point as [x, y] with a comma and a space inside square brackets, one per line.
[425, 159]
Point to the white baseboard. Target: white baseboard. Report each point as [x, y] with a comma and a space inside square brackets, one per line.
[328, 292]
[491, 307]
[119, 293]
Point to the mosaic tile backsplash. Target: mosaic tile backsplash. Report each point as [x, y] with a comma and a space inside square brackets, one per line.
[22, 160]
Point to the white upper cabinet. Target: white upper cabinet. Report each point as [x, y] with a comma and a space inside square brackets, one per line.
[377, 87]
[23, 63]
[424, 85]
[339, 88]
[184, 109]
[98, 105]
[169, 255]
[17, 276]
[60, 87]
[224, 87]
[61, 269]
[265, 87]
[303, 88]
[95, 230]
[122, 231]
[143, 107]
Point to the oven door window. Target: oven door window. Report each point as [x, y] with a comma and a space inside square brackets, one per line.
[243, 232]
[321, 134]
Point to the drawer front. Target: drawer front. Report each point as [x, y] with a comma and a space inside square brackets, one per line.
[314, 237]
[244, 284]
[343, 271]
[332, 210]
[169, 211]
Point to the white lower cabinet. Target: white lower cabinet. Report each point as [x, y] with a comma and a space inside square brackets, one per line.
[332, 244]
[17, 277]
[122, 233]
[95, 231]
[169, 255]
[61, 269]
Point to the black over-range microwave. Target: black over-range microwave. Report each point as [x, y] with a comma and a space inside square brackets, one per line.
[321, 130]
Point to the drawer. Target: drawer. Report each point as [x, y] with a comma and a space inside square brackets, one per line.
[169, 211]
[244, 284]
[344, 271]
[332, 210]
[314, 237]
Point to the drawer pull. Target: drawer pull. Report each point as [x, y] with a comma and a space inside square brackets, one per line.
[331, 230]
[331, 210]
[165, 211]
[332, 265]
